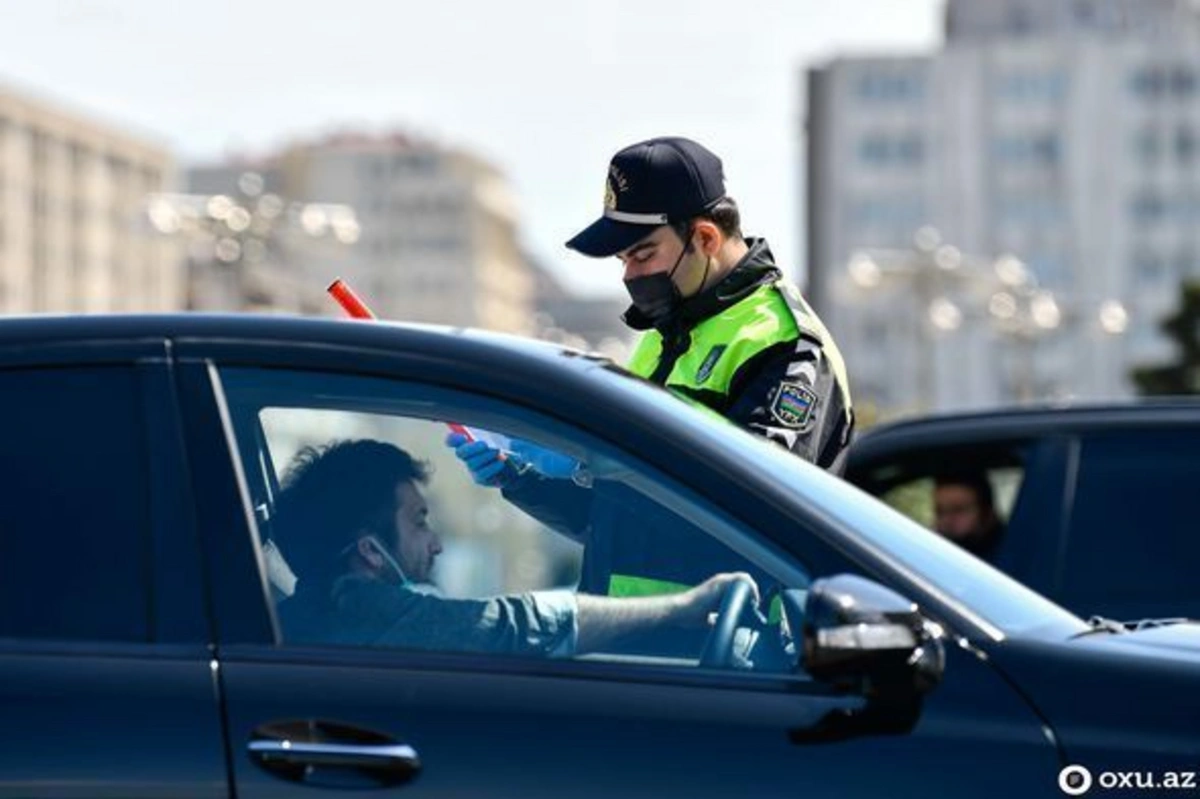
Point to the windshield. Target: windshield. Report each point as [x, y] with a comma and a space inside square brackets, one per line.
[999, 605]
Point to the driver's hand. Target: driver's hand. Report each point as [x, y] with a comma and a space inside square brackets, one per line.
[705, 599]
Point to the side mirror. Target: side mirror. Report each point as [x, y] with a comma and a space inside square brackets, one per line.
[861, 637]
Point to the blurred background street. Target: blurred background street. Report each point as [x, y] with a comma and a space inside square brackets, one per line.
[987, 201]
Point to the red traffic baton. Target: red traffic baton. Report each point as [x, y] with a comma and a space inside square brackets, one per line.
[354, 306]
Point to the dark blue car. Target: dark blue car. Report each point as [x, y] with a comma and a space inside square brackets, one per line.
[142, 651]
[1097, 500]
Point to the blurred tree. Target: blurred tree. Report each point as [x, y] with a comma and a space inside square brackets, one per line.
[1183, 328]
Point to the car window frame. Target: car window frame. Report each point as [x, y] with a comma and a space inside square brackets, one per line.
[260, 634]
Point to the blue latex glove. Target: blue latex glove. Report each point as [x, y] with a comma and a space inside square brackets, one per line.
[488, 465]
[547, 461]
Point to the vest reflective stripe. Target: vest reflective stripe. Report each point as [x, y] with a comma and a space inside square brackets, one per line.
[628, 585]
[772, 314]
[828, 345]
[761, 320]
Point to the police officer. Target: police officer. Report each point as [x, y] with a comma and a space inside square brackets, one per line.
[722, 329]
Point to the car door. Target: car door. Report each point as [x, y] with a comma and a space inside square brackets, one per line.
[106, 685]
[441, 721]
[1129, 548]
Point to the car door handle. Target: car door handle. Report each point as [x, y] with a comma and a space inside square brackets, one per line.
[327, 753]
[386, 757]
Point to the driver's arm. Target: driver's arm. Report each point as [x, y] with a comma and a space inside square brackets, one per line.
[604, 621]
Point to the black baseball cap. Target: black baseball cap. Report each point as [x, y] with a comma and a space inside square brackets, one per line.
[652, 183]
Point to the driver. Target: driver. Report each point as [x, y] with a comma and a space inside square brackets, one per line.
[354, 525]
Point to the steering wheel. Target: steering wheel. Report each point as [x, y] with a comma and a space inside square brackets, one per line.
[718, 647]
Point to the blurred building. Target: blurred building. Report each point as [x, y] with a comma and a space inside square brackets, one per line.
[250, 249]
[988, 20]
[1066, 134]
[439, 240]
[72, 235]
[585, 322]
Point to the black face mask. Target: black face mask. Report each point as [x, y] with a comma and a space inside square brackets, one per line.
[656, 296]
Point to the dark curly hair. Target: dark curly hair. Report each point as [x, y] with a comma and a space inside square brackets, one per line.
[332, 495]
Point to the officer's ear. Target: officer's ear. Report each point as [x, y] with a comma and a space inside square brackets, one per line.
[707, 238]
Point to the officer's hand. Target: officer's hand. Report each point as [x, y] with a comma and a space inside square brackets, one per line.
[547, 461]
[488, 465]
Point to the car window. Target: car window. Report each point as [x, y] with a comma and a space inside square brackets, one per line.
[74, 523]
[965, 481]
[914, 497]
[334, 441]
[1132, 533]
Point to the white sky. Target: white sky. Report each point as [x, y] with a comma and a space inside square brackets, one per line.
[547, 90]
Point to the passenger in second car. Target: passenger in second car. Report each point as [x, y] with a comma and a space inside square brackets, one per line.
[965, 511]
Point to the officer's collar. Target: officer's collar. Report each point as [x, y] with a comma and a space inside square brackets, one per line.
[756, 268]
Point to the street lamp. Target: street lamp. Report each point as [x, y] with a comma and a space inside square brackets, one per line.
[937, 274]
[1026, 313]
[241, 232]
[952, 288]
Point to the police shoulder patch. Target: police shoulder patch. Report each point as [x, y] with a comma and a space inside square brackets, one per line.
[793, 405]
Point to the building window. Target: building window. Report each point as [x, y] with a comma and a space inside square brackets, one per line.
[900, 213]
[1185, 144]
[117, 166]
[890, 87]
[1183, 82]
[414, 163]
[1147, 144]
[884, 150]
[1030, 211]
[1032, 87]
[1040, 149]
[1148, 207]
[1154, 82]
[1148, 83]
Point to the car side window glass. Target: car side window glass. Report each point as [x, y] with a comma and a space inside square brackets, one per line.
[968, 497]
[914, 498]
[74, 523]
[1132, 534]
[381, 534]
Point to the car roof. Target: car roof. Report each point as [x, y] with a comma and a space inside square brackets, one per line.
[1026, 421]
[379, 334]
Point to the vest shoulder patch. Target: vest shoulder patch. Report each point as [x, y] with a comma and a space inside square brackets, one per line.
[793, 405]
